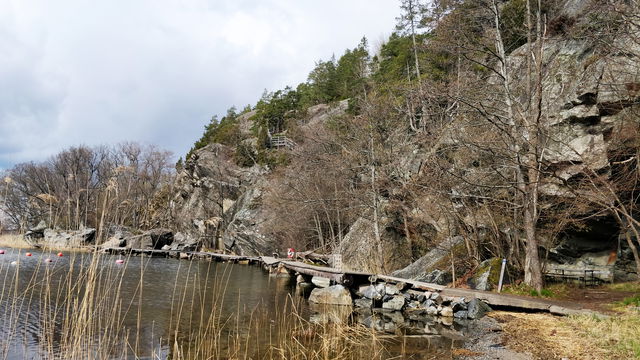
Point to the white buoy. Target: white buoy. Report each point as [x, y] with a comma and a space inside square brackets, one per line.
[48, 260]
[119, 261]
[14, 263]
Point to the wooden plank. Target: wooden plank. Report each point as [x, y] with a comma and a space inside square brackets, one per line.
[346, 278]
[270, 260]
[220, 256]
[322, 269]
[415, 283]
[514, 301]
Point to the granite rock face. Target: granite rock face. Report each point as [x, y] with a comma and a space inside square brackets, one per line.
[244, 233]
[217, 203]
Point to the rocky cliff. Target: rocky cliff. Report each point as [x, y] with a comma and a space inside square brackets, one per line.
[590, 103]
[219, 203]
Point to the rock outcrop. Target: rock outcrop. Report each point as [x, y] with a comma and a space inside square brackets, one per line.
[487, 275]
[154, 239]
[216, 201]
[219, 203]
[68, 239]
[437, 258]
[244, 234]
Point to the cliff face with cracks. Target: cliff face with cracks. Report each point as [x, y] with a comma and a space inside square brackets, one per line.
[589, 126]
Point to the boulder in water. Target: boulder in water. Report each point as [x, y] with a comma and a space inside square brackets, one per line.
[332, 295]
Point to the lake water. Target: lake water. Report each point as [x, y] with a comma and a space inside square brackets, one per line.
[156, 308]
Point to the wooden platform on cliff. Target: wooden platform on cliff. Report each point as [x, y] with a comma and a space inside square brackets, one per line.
[356, 278]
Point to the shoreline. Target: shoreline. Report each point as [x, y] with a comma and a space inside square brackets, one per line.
[499, 335]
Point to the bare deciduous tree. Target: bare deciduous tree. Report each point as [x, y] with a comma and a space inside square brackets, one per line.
[84, 186]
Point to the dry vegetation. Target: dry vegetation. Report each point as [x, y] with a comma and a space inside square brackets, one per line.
[576, 337]
[14, 241]
[82, 186]
[584, 336]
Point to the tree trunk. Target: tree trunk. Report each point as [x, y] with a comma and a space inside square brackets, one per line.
[532, 268]
[524, 146]
[374, 195]
[413, 39]
[632, 246]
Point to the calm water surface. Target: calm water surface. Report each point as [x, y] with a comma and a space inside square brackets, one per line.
[157, 298]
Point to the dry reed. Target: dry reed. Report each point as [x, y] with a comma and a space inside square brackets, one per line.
[14, 241]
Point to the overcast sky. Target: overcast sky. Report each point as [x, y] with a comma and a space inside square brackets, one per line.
[155, 71]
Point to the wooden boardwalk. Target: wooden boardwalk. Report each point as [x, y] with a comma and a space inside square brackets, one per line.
[179, 254]
[354, 279]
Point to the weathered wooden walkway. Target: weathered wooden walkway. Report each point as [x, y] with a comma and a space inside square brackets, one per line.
[354, 278]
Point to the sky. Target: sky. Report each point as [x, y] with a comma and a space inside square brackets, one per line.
[78, 72]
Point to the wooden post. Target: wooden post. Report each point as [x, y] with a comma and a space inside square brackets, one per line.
[504, 264]
[337, 261]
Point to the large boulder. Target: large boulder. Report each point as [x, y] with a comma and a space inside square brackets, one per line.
[477, 309]
[68, 238]
[114, 242]
[139, 242]
[152, 239]
[434, 259]
[359, 248]
[36, 232]
[184, 242]
[117, 237]
[332, 295]
[160, 237]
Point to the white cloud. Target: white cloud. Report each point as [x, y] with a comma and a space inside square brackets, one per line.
[78, 72]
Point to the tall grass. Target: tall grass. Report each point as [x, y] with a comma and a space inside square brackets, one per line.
[79, 311]
[71, 312]
[14, 241]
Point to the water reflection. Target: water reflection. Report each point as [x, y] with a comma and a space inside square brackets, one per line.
[85, 306]
[151, 300]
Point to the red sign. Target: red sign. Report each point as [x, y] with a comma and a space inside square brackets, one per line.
[290, 253]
